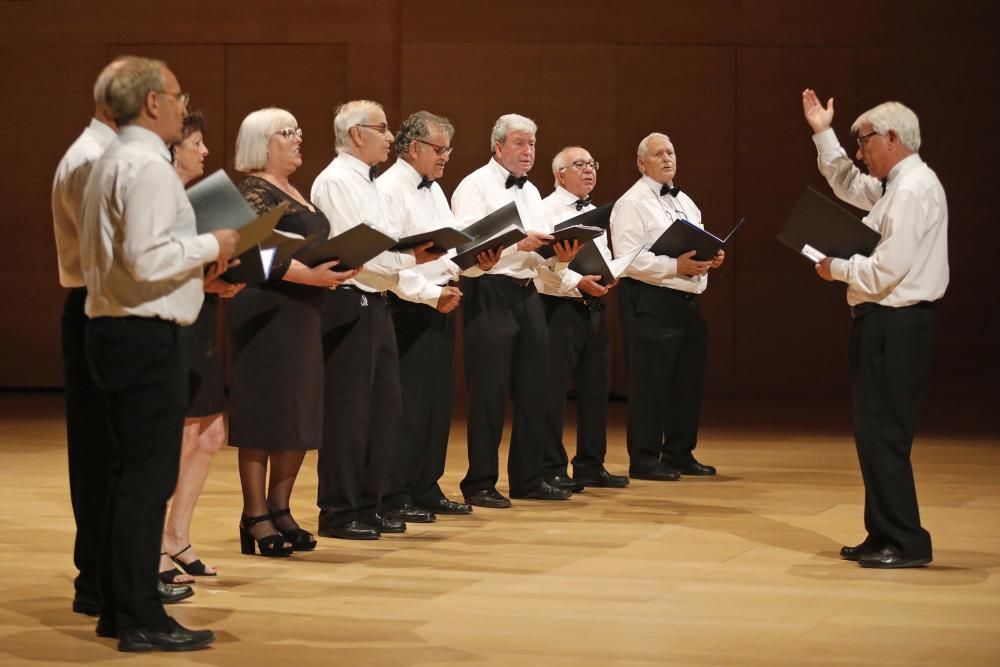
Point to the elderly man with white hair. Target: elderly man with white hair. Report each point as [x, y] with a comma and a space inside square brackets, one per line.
[505, 337]
[578, 337]
[666, 340]
[892, 295]
[362, 392]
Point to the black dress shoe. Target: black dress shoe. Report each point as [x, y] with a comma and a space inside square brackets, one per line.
[658, 474]
[853, 553]
[106, 628]
[565, 482]
[545, 491]
[177, 638]
[87, 606]
[889, 559]
[352, 530]
[694, 469]
[601, 478]
[412, 514]
[445, 506]
[488, 498]
[171, 593]
[389, 524]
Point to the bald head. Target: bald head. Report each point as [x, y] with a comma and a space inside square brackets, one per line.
[102, 111]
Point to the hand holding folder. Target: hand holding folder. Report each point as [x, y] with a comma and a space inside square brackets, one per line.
[502, 227]
[818, 227]
[682, 237]
[353, 248]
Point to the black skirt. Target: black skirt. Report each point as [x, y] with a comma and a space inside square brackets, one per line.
[202, 354]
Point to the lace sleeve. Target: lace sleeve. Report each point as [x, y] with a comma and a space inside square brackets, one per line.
[258, 194]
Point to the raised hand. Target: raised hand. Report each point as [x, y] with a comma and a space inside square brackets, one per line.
[820, 118]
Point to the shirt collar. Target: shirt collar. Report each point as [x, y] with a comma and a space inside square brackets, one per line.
[411, 175]
[102, 131]
[142, 135]
[565, 197]
[354, 164]
[903, 166]
[498, 169]
[652, 184]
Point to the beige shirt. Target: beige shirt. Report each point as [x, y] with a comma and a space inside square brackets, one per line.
[910, 263]
[67, 197]
[140, 250]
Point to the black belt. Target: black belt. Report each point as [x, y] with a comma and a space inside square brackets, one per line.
[862, 309]
[689, 296]
[520, 282]
[591, 303]
[355, 288]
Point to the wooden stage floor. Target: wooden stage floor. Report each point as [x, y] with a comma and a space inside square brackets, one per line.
[737, 570]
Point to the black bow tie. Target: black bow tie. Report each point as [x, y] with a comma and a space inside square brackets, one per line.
[424, 183]
[519, 182]
[373, 172]
[667, 190]
[582, 203]
[885, 184]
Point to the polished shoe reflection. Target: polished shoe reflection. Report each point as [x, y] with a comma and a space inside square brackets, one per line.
[389, 524]
[545, 491]
[352, 530]
[658, 474]
[171, 593]
[855, 552]
[693, 469]
[175, 638]
[488, 498]
[600, 478]
[412, 514]
[888, 558]
[565, 482]
[445, 506]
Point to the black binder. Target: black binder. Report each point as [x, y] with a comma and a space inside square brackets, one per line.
[822, 224]
[502, 227]
[597, 217]
[444, 240]
[218, 204]
[353, 248]
[466, 256]
[683, 236]
[582, 233]
[590, 262]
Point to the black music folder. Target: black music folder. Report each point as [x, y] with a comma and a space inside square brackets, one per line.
[353, 248]
[256, 264]
[444, 238]
[590, 262]
[683, 236]
[502, 227]
[818, 227]
[583, 228]
[218, 204]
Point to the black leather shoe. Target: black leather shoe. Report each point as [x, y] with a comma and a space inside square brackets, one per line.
[177, 638]
[106, 628]
[565, 482]
[853, 553]
[694, 469]
[888, 558]
[445, 506]
[389, 524]
[658, 474]
[352, 530]
[545, 491]
[488, 498]
[86, 606]
[171, 593]
[412, 514]
[601, 478]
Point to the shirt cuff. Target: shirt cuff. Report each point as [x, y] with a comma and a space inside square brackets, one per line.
[827, 143]
[207, 247]
[840, 269]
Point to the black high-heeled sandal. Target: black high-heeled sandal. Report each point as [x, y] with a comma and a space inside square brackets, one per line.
[270, 545]
[195, 568]
[302, 540]
[167, 576]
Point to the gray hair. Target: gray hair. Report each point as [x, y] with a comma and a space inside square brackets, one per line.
[346, 116]
[559, 161]
[255, 134]
[892, 116]
[508, 123]
[644, 144]
[104, 79]
[128, 88]
[418, 126]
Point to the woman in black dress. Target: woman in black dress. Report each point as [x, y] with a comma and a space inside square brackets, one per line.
[204, 428]
[276, 395]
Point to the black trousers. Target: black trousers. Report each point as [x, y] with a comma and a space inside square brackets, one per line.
[361, 406]
[578, 353]
[506, 355]
[88, 445]
[891, 351]
[667, 349]
[138, 363]
[426, 340]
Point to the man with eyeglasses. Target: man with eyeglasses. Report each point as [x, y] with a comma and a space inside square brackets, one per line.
[505, 338]
[143, 264]
[666, 340]
[578, 338]
[892, 295]
[423, 304]
[362, 393]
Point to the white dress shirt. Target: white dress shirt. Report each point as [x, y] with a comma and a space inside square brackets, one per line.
[484, 191]
[910, 263]
[560, 206]
[140, 250]
[348, 198]
[67, 197]
[637, 220]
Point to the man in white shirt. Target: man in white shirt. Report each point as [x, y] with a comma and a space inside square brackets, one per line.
[892, 295]
[422, 304]
[578, 337]
[666, 341]
[143, 264]
[361, 393]
[505, 339]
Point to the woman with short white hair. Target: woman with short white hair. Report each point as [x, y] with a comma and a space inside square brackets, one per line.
[276, 396]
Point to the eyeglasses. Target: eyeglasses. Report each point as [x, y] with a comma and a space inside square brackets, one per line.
[289, 132]
[182, 98]
[863, 139]
[440, 151]
[381, 128]
[580, 165]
